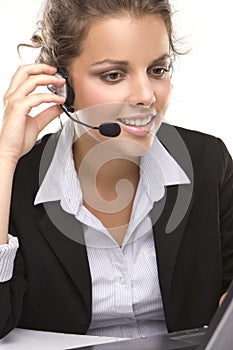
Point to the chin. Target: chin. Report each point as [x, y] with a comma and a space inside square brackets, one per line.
[132, 148]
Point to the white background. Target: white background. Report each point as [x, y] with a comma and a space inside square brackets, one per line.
[202, 82]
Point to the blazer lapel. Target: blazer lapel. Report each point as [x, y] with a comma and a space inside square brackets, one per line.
[65, 237]
[168, 236]
[170, 215]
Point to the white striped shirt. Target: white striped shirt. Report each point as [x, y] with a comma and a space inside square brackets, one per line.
[126, 298]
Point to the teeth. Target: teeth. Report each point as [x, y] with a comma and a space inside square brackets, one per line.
[131, 122]
[136, 122]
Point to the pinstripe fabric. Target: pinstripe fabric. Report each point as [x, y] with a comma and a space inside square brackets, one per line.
[126, 293]
[7, 257]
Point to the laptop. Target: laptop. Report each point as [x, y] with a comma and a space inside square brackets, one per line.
[218, 336]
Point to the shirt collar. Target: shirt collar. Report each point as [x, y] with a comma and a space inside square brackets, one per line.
[158, 169]
[61, 173]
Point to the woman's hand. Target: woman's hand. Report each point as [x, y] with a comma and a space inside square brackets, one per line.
[19, 130]
[222, 298]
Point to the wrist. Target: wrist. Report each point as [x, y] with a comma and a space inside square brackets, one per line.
[8, 160]
[3, 239]
[7, 164]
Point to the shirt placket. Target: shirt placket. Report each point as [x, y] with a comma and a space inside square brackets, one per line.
[123, 289]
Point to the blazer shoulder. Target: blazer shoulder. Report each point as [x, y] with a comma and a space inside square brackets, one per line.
[46, 144]
[29, 169]
[207, 144]
[192, 138]
[204, 150]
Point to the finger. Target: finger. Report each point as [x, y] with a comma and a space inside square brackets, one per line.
[46, 116]
[23, 72]
[32, 82]
[23, 106]
[222, 298]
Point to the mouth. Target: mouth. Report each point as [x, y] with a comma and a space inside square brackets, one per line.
[136, 121]
[139, 125]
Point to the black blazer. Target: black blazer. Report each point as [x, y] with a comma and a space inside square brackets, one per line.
[51, 286]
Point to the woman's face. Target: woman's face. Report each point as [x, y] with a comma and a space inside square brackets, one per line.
[125, 60]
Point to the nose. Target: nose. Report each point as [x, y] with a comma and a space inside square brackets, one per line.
[141, 91]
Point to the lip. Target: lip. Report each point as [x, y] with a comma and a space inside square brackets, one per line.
[139, 130]
[139, 116]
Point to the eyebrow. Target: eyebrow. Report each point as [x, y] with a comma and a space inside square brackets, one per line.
[126, 63]
[110, 61]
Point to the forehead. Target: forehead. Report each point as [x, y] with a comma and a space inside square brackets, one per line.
[126, 37]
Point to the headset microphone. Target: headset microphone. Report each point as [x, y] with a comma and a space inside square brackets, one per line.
[105, 129]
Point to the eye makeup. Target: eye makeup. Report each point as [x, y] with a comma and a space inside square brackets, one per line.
[113, 71]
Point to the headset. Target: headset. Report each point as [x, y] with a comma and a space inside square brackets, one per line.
[66, 91]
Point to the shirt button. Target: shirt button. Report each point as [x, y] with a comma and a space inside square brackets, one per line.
[122, 280]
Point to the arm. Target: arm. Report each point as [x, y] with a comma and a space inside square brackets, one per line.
[19, 130]
[6, 178]
[17, 136]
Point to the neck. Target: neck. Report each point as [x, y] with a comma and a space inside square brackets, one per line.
[101, 166]
[109, 182]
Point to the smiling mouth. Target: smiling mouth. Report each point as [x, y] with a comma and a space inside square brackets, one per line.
[136, 121]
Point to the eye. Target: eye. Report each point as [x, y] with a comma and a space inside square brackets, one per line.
[114, 76]
[159, 72]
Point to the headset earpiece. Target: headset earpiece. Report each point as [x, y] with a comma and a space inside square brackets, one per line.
[66, 91]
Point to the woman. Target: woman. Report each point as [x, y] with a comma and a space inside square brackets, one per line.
[146, 248]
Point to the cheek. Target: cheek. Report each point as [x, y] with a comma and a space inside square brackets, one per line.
[85, 96]
[163, 95]
[90, 94]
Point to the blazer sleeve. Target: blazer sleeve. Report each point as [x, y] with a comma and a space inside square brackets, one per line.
[226, 215]
[12, 292]
[11, 296]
